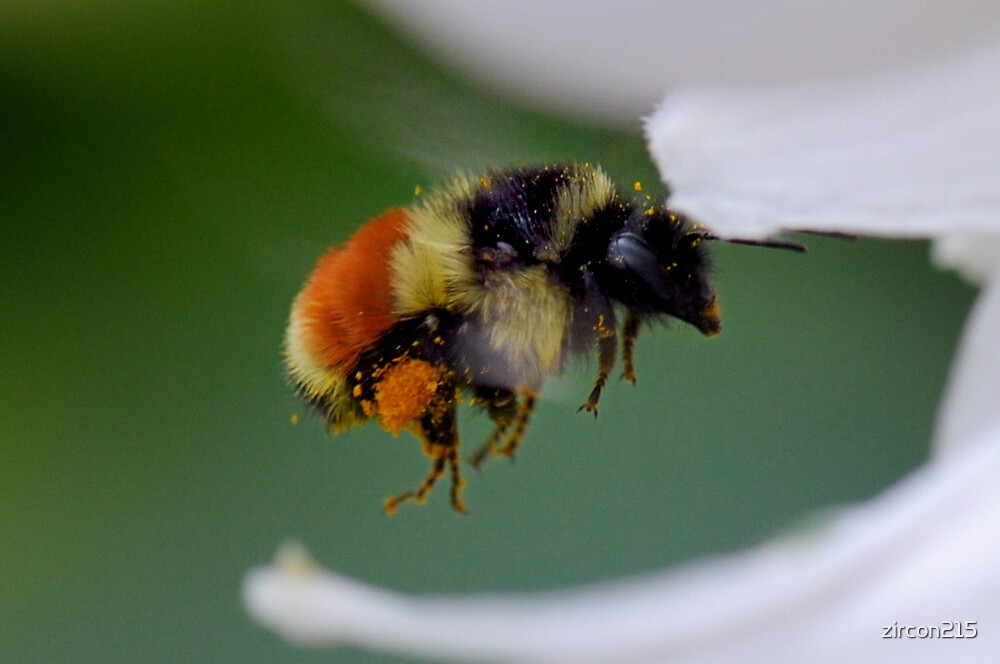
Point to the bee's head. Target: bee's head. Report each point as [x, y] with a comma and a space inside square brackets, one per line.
[660, 264]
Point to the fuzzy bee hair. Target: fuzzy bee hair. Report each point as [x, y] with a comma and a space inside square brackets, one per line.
[485, 287]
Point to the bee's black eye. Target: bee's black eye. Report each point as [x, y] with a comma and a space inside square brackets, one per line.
[630, 254]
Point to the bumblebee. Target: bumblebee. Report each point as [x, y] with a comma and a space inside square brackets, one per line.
[483, 289]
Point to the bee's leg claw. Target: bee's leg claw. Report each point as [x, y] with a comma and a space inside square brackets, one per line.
[591, 405]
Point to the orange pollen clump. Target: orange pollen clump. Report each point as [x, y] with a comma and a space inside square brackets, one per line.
[405, 392]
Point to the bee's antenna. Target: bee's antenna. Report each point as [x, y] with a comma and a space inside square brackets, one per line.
[834, 234]
[771, 244]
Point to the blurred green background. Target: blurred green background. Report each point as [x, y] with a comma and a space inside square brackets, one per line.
[171, 172]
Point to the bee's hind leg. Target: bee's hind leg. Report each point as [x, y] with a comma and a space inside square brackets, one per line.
[437, 429]
[419, 495]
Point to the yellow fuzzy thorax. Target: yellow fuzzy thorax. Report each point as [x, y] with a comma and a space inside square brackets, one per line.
[526, 311]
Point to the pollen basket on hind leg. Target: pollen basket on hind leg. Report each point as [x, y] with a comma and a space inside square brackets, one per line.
[404, 393]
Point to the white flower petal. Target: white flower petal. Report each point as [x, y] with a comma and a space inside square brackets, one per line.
[923, 553]
[975, 253]
[616, 59]
[973, 393]
[915, 154]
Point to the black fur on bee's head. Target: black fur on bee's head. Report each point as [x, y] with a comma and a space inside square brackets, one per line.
[657, 263]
